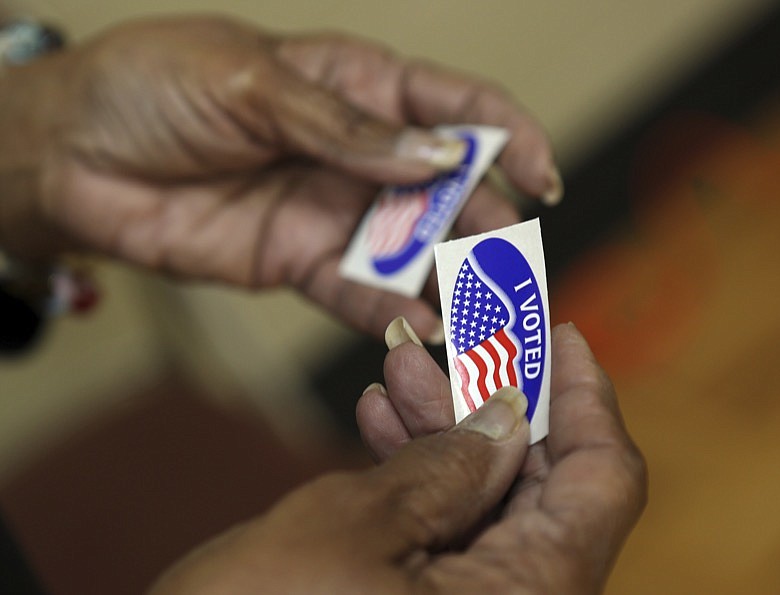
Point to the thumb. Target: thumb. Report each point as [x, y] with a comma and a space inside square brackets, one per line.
[441, 486]
[311, 120]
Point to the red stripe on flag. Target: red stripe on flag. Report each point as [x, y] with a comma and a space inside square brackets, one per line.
[511, 350]
[490, 348]
[483, 372]
[393, 221]
[464, 384]
[489, 368]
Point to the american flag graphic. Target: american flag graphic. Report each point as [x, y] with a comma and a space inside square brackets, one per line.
[394, 220]
[486, 349]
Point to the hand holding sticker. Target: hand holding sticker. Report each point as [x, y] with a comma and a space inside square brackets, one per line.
[393, 247]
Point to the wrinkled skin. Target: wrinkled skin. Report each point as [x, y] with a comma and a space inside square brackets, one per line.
[212, 150]
[448, 510]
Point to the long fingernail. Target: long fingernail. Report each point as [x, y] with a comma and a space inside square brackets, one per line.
[500, 416]
[554, 193]
[377, 386]
[399, 332]
[419, 145]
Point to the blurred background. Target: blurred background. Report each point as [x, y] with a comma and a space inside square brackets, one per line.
[173, 411]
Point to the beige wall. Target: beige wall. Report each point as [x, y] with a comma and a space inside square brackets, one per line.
[581, 66]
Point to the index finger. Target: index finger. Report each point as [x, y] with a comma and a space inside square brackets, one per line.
[422, 93]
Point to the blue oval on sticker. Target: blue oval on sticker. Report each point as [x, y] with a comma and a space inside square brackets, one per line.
[409, 218]
[497, 324]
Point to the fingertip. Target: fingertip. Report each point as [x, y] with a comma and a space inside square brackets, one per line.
[530, 163]
[554, 192]
[570, 333]
[372, 404]
[546, 177]
[502, 415]
[375, 387]
[425, 323]
[420, 390]
[398, 332]
[381, 427]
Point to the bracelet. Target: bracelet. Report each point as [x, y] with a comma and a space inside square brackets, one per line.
[50, 291]
[24, 40]
[28, 294]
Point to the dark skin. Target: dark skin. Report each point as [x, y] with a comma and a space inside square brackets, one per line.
[426, 520]
[211, 150]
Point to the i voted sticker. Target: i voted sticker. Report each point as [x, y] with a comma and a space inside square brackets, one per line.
[393, 247]
[493, 291]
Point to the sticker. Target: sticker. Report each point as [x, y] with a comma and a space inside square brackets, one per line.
[493, 289]
[392, 248]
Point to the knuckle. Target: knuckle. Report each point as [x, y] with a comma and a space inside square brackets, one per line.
[637, 475]
[348, 126]
[252, 78]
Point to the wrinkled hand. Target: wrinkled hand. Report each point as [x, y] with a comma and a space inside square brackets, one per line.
[211, 150]
[578, 492]
[425, 520]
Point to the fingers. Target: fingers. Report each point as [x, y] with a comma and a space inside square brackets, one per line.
[583, 407]
[601, 478]
[487, 209]
[418, 388]
[304, 118]
[381, 426]
[596, 484]
[427, 95]
[364, 532]
[366, 308]
[436, 488]
[433, 95]
[304, 232]
[419, 401]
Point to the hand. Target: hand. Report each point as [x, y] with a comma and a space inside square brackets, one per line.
[425, 520]
[578, 492]
[211, 150]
